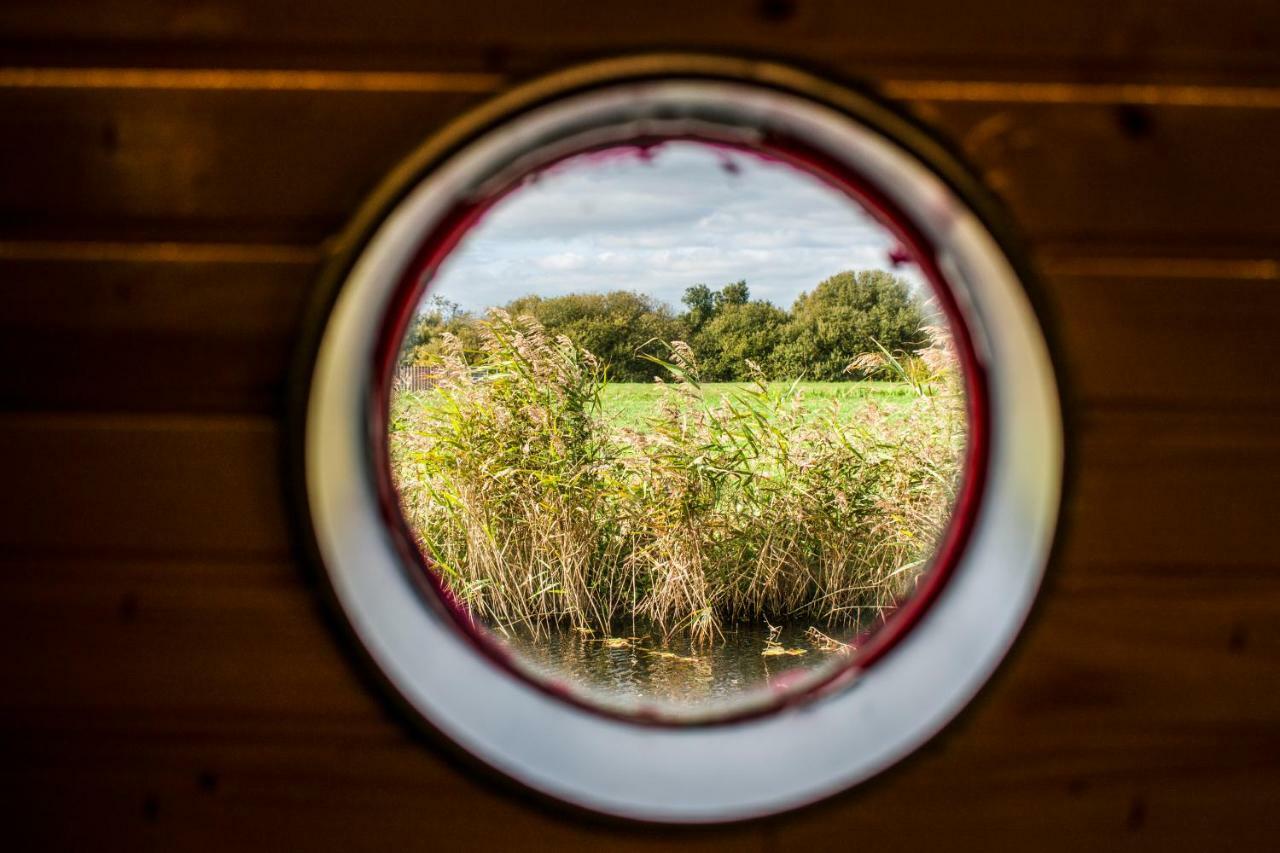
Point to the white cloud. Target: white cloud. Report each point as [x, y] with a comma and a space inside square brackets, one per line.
[561, 261]
[661, 224]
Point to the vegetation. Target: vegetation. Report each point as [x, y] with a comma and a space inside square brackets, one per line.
[823, 333]
[716, 504]
[845, 316]
[617, 328]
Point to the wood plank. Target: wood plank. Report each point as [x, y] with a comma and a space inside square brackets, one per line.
[292, 165]
[1139, 338]
[1159, 487]
[328, 808]
[118, 329]
[169, 485]
[132, 332]
[974, 809]
[205, 165]
[169, 640]
[1242, 38]
[1171, 487]
[1167, 175]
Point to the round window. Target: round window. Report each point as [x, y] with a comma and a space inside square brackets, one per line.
[677, 439]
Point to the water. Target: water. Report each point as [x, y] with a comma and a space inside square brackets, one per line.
[636, 668]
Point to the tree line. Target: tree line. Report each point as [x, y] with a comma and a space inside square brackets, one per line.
[846, 315]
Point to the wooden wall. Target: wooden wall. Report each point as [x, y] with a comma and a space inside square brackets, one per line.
[170, 172]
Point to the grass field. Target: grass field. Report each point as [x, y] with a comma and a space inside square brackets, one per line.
[629, 403]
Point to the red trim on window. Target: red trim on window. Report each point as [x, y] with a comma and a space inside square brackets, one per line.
[873, 645]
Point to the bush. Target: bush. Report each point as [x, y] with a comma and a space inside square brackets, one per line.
[845, 316]
[436, 318]
[740, 334]
[618, 327]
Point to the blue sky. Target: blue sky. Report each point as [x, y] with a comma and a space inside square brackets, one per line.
[687, 214]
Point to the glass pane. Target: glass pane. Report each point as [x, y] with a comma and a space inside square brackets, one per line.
[678, 428]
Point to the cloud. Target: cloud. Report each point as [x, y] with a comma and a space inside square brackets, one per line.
[562, 262]
[659, 225]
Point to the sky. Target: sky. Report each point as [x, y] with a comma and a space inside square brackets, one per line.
[686, 214]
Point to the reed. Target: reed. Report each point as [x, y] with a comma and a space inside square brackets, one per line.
[751, 506]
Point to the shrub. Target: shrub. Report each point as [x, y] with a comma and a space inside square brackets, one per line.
[740, 333]
[616, 327]
[426, 331]
[846, 315]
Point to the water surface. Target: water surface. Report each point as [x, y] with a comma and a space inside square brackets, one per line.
[638, 667]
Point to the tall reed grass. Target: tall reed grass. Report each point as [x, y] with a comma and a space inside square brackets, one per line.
[536, 510]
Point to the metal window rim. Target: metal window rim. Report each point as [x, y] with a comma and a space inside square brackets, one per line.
[702, 774]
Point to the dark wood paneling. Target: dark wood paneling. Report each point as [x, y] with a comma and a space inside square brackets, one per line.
[1151, 486]
[188, 334]
[172, 485]
[1094, 37]
[291, 165]
[119, 329]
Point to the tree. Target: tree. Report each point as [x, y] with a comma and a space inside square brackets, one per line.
[848, 314]
[845, 316]
[703, 303]
[738, 332]
[436, 316]
[618, 327]
[700, 304]
[736, 293]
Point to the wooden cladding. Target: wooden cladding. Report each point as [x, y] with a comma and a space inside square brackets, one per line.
[290, 165]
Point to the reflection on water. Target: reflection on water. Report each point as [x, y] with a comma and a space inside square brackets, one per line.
[637, 667]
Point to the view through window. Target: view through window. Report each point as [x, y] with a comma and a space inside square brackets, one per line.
[678, 428]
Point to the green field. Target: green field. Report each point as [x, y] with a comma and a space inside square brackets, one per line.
[628, 403]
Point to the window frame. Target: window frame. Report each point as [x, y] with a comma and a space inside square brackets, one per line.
[342, 470]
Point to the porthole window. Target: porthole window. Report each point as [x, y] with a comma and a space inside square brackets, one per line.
[678, 440]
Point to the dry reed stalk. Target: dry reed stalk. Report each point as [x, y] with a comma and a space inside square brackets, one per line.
[537, 511]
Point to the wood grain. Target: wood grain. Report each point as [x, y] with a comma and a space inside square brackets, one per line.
[291, 165]
[202, 165]
[187, 334]
[1095, 37]
[93, 330]
[1167, 341]
[169, 485]
[199, 700]
[1150, 486]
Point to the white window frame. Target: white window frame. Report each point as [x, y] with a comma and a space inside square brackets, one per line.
[680, 774]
